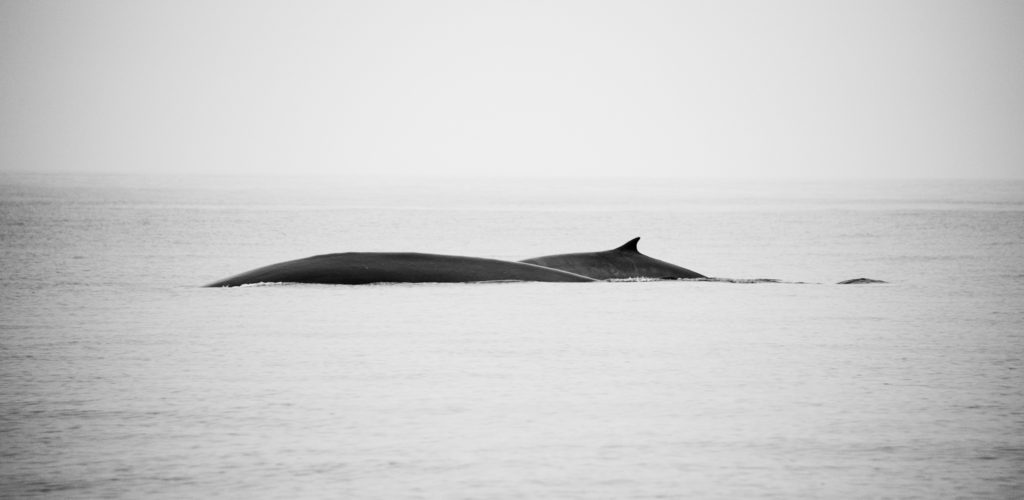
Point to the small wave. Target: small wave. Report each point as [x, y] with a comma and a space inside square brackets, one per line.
[637, 279]
[747, 280]
[712, 280]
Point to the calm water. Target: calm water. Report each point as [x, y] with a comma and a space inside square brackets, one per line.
[121, 377]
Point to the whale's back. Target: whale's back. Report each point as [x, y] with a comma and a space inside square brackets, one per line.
[624, 262]
[359, 268]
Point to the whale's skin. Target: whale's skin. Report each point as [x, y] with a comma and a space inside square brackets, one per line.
[359, 268]
[624, 262]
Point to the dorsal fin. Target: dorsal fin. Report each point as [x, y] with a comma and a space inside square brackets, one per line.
[630, 246]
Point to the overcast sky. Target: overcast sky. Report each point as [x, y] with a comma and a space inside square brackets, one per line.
[758, 88]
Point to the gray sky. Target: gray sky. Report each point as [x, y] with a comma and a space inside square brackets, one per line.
[770, 89]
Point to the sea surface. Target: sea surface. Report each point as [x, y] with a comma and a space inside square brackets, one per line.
[122, 377]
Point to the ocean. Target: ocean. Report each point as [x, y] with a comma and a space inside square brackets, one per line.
[122, 377]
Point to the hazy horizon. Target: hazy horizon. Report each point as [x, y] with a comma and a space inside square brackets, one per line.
[733, 90]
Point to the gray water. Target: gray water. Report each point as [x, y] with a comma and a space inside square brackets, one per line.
[120, 377]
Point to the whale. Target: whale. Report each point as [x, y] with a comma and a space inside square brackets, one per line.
[624, 262]
[359, 268]
[860, 281]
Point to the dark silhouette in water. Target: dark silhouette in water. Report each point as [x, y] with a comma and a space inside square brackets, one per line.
[623, 262]
[860, 281]
[355, 268]
[358, 268]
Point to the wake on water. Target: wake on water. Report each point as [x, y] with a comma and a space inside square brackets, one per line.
[742, 281]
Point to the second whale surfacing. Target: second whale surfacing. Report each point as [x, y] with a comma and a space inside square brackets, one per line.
[624, 262]
[359, 268]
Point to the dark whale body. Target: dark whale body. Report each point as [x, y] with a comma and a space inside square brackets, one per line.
[619, 263]
[356, 268]
[860, 281]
